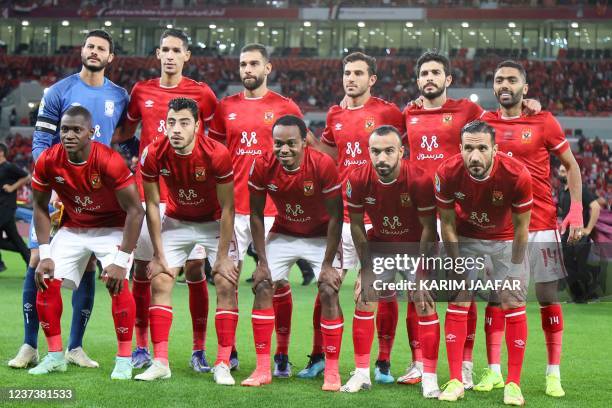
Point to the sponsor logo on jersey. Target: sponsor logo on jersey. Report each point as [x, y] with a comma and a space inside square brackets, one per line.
[187, 194]
[497, 198]
[308, 187]
[447, 118]
[162, 127]
[96, 183]
[109, 108]
[83, 201]
[526, 135]
[459, 195]
[295, 211]
[164, 172]
[370, 123]
[200, 173]
[231, 116]
[405, 200]
[370, 200]
[353, 150]
[392, 222]
[268, 117]
[59, 180]
[414, 120]
[248, 139]
[338, 126]
[427, 144]
[479, 218]
[149, 103]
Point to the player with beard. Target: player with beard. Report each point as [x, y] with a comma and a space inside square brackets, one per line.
[398, 196]
[244, 123]
[531, 140]
[433, 128]
[106, 102]
[149, 106]
[345, 138]
[485, 198]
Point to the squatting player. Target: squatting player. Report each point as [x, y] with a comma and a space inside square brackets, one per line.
[531, 140]
[102, 217]
[434, 132]
[485, 200]
[244, 123]
[200, 210]
[345, 138]
[398, 196]
[106, 102]
[303, 184]
[149, 106]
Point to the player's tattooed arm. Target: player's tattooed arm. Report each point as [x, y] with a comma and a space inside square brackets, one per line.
[158, 264]
[130, 203]
[449, 231]
[225, 266]
[257, 203]
[335, 210]
[42, 224]
[574, 182]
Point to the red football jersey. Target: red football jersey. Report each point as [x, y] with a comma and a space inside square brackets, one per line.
[191, 179]
[434, 135]
[349, 131]
[394, 208]
[245, 126]
[149, 105]
[298, 195]
[531, 139]
[87, 189]
[484, 207]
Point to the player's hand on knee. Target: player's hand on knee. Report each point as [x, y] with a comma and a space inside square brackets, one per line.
[225, 267]
[44, 270]
[261, 274]
[157, 266]
[423, 300]
[114, 275]
[330, 276]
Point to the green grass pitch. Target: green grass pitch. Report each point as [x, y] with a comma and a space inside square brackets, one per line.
[586, 361]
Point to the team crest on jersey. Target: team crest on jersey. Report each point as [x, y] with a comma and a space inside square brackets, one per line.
[96, 183]
[200, 173]
[405, 200]
[437, 183]
[497, 198]
[349, 189]
[109, 108]
[268, 117]
[447, 119]
[308, 187]
[526, 135]
[370, 123]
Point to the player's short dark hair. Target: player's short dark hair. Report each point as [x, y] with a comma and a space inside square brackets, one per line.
[104, 35]
[4, 149]
[433, 56]
[256, 47]
[512, 64]
[385, 130]
[181, 103]
[360, 56]
[478, 126]
[79, 111]
[292, 120]
[175, 32]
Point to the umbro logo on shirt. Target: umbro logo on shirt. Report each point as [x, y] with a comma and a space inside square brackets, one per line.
[231, 116]
[149, 103]
[370, 200]
[459, 195]
[338, 126]
[59, 179]
[164, 172]
[414, 121]
[272, 187]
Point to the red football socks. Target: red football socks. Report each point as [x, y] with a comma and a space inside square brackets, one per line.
[160, 318]
[412, 325]
[516, 340]
[141, 291]
[198, 307]
[363, 335]
[49, 307]
[283, 307]
[552, 324]
[124, 315]
[226, 321]
[386, 323]
[429, 337]
[263, 325]
[468, 348]
[455, 328]
[495, 323]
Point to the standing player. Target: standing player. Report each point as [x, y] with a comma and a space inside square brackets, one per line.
[399, 199]
[244, 123]
[102, 217]
[345, 138]
[490, 217]
[304, 183]
[149, 106]
[531, 140]
[198, 174]
[106, 102]
[434, 132]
